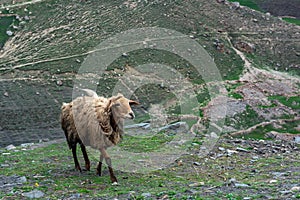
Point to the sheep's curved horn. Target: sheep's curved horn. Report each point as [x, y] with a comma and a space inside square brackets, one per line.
[90, 93]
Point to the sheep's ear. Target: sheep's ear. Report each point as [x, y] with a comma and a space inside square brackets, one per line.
[131, 102]
[112, 102]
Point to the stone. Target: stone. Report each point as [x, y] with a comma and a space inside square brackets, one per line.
[22, 179]
[197, 163]
[9, 33]
[236, 5]
[140, 125]
[221, 149]
[33, 194]
[241, 149]
[245, 47]
[146, 195]
[10, 147]
[241, 185]
[124, 54]
[26, 144]
[59, 83]
[197, 184]
[273, 181]
[295, 189]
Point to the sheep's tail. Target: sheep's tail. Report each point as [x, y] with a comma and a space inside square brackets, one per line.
[90, 93]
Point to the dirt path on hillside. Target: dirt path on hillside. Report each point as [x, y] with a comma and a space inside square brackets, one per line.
[21, 4]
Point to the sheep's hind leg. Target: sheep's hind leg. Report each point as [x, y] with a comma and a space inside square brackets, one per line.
[99, 167]
[108, 162]
[86, 158]
[77, 166]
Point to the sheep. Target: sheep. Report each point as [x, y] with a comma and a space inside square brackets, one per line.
[97, 122]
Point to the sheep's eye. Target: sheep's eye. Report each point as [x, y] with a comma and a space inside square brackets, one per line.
[117, 104]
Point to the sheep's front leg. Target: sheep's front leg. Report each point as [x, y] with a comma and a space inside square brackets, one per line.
[108, 162]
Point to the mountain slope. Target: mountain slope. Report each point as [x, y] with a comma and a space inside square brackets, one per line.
[38, 63]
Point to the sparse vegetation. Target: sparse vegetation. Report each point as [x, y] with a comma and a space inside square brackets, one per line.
[38, 69]
[248, 3]
[5, 23]
[48, 169]
[292, 20]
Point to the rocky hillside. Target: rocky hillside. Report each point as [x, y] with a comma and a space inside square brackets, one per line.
[256, 54]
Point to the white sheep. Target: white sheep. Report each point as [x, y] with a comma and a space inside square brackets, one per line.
[97, 122]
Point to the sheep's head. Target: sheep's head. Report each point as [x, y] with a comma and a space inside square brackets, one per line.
[120, 107]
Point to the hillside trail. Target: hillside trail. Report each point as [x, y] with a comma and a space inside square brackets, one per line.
[21, 4]
[251, 73]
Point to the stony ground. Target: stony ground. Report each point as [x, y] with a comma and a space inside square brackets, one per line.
[234, 169]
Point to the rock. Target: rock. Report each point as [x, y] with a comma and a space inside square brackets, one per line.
[232, 181]
[10, 147]
[146, 195]
[241, 185]
[33, 194]
[9, 33]
[59, 83]
[26, 144]
[6, 94]
[75, 196]
[230, 152]
[22, 179]
[197, 184]
[27, 18]
[297, 139]
[131, 195]
[174, 126]
[124, 54]
[245, 47]
[295, 189]
[285, 192]
[197, 163]
[115, 184]
[279, 174]
[221, 149]
[273, 181]
[236, 5]
[241, 149]
[140, 125]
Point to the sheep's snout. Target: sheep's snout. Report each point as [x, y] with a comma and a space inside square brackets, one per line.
[131, 115]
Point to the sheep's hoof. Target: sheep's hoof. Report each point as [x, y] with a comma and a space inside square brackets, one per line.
[115, 183]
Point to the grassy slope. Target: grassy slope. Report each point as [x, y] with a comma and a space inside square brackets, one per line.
[50, 169]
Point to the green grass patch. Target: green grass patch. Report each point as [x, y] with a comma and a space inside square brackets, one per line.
[243, 120]
[292, 20]
[248, 3]
[5, 23]
[235, 95]
[292, 102]
[146, 144]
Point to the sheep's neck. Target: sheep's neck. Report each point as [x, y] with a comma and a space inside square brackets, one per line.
[117, 130]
